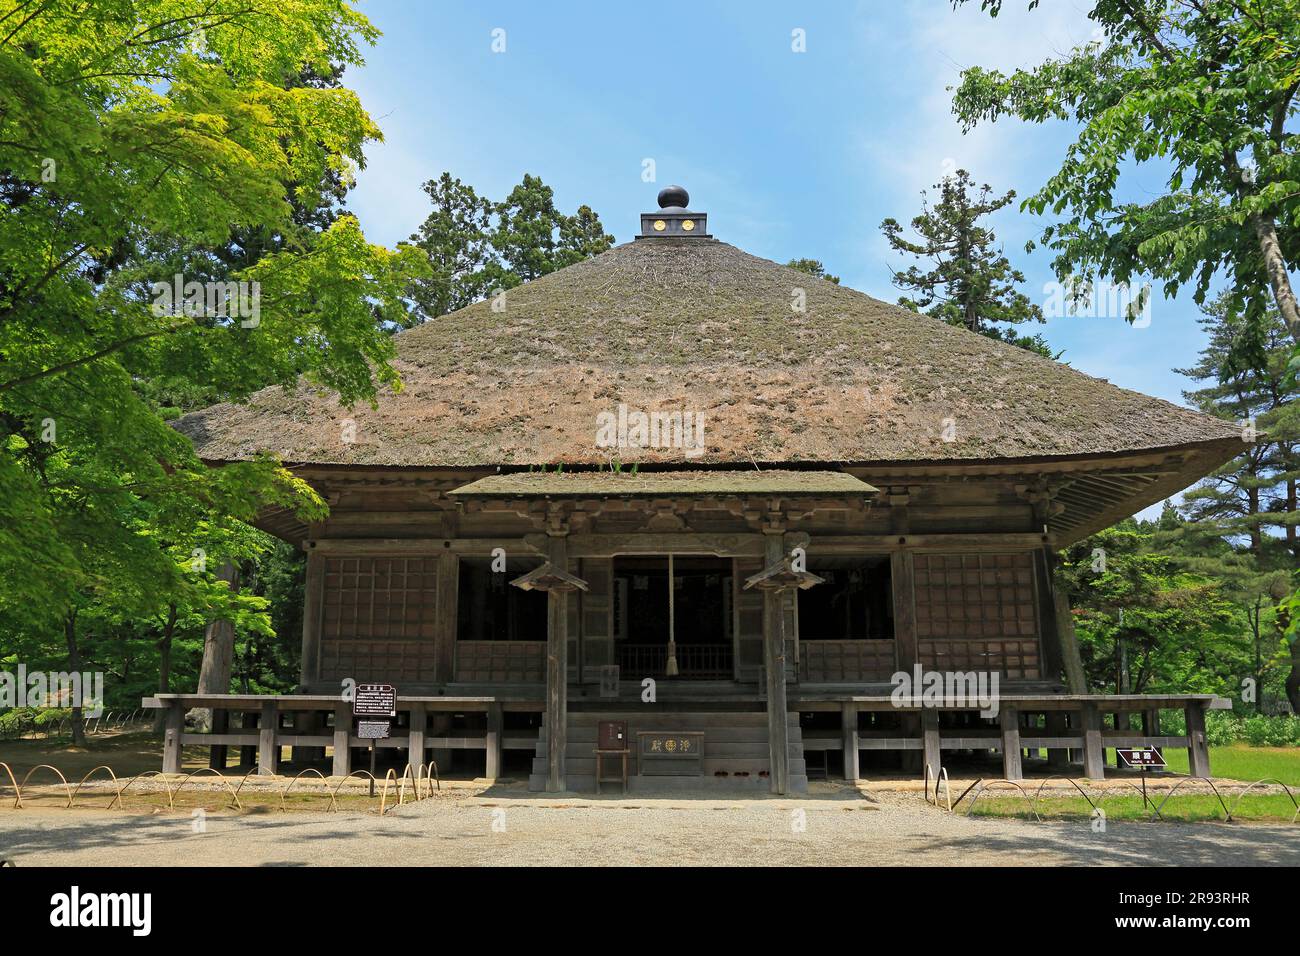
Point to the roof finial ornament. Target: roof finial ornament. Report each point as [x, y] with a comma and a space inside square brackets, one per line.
[674, 220]
[674, 197]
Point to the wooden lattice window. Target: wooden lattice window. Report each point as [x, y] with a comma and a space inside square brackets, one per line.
[377, 598]
[977, 612]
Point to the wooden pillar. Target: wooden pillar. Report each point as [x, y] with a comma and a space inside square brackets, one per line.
[440, 726]
[495, 719]
[268, 750]
[1094, 747]
[1198, 751]
[247, 754]
[557, 671]
[778, 720]
[1049, 622]
[911, 725]
[905, 642]
[305, 722]
[1010, 719]
[1058, 758]
[415, 740]
[933, 744]
[1151, 722]
[444, 634]
[313, 598]
[1151, 725]
[217, 752]
[778, 726]
[1071, 661]
[174, 727]
[342, 740]
[849, 734]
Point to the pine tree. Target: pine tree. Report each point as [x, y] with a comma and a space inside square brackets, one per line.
[965, 280]
[456, 236]
[813, 267]
[1249, 504]
[476, 245]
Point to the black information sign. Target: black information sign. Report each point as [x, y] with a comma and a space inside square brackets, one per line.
[375, 700]
[373, 709]
[374, 729]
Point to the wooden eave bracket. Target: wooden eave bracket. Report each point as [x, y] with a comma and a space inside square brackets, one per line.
[547, 577]
[782, 576]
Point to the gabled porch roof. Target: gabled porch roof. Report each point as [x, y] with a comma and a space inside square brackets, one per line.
[666, 484]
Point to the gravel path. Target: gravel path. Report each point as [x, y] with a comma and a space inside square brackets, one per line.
[896, 829]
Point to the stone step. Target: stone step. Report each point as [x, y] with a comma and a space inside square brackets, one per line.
[712, 748]
[711, 765]
[586, 783]
[713, 738]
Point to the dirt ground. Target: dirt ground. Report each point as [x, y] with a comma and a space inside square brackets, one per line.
[505, 826]
[887, 823]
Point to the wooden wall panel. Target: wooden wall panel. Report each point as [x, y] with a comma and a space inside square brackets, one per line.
[978, 612]
[748, 611]
[597, 606]
[840, 661]
[501, 661]
[378, 618]
[394, 662]
[393, 598]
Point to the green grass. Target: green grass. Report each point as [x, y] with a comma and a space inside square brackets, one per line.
[1234, 762]
[1244, 762]
[1183, 807]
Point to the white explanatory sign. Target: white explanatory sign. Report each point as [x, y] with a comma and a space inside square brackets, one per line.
[1141, 757]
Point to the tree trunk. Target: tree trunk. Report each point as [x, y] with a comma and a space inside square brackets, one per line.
[1293, 679]
[1275, 266]
[165, 666]
[1255, 621]
[1252, 509]
[218, 654]
[1121, 665]
[74, 667]
[1290, 509]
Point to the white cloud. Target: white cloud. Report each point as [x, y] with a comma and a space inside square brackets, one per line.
[925, 141]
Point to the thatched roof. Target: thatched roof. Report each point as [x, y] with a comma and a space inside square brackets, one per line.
[699, 326]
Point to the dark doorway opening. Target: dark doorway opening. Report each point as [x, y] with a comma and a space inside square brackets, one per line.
[489, 609]
[701, 613]
[855, 602]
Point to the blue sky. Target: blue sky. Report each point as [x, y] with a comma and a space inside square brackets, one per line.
[791, 154]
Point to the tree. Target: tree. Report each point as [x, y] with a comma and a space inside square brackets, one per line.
[1254, 496]
[127, 130]
[533, 238]
[966, 280]
[1207, 87]
[1253, 584]
[456, 236]
[314, 208]
[1249, 505]
[475, 246]
[814, 268]
[1144, 623]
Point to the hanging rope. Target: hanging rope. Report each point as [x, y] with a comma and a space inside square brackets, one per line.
[670, 668]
